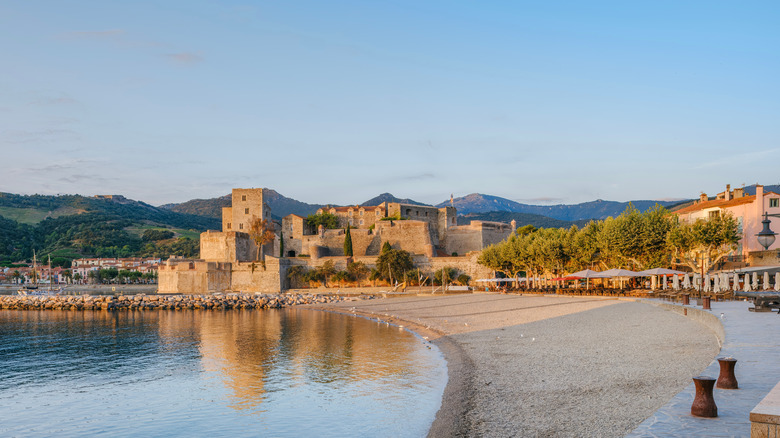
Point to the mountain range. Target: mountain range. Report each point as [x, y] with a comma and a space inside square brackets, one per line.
[598, 209]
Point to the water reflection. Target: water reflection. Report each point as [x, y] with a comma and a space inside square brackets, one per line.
[190, 370]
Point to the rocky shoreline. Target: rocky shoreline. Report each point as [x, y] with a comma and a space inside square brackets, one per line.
[167, 302]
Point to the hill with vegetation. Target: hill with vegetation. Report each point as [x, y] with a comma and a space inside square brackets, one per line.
[280, 205]
[73, 226]
[387, 197]
[599, 209]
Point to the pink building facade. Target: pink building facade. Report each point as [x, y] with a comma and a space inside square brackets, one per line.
[747, 210]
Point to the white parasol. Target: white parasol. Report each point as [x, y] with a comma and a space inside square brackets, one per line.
[747, 287]
[686, 282]
[736, 282]
[754, 283]
[706, 283]
[676, 282]
[766, 280]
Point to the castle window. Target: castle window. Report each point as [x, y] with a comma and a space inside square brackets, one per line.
[417, 213]
[243, 197]
[361, 221]
[773, 203]
[426, 214]
[408, 211]
[246, 211]
[453, 221]
[240, 226]
[229, 225]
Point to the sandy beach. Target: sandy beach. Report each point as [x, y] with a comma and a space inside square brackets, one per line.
[550, 366]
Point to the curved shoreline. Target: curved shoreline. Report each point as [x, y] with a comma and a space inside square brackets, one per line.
[467, 403]
[451, 417]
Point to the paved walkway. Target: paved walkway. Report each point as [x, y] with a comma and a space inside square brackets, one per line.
[754, 340]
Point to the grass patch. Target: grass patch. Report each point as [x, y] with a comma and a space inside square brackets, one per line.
[138, 230]
[32, 216]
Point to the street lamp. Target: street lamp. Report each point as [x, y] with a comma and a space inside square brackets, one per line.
[766, 237]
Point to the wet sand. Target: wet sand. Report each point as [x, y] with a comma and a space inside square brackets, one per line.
[550, 366]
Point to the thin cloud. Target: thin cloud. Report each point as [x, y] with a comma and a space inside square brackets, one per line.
[42, 135]
[185, 58]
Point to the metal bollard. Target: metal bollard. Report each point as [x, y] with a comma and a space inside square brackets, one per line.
[727, 379]
[704, 403]
[705, 303]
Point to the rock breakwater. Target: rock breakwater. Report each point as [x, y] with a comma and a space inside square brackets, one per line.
[166, 302]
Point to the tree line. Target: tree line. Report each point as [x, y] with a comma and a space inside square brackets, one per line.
[633, 240]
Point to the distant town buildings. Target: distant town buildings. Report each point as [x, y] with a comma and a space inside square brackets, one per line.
[82, 267]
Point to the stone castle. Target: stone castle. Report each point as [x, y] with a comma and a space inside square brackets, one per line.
[230, 260]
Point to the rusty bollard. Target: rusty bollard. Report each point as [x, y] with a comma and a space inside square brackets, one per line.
[686, 299]
[704, 403]
[705, 303]
[727, 379]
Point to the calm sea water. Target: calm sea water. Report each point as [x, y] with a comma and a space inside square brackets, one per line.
[202, 373]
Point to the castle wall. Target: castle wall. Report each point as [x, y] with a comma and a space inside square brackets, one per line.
[193, 277]
[246, 204]
[245, 278]
[475, 236]
[227, 247]
[464, 264]
[363, 241]
[409, 235]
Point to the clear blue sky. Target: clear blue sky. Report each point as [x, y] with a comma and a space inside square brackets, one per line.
[338, 101]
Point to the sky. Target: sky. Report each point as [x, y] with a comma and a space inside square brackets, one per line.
[339, 101]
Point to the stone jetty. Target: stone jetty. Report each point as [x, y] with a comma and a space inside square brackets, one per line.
[166, 302]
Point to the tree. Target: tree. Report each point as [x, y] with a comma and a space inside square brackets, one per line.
[342, 277]
[386, 247]
[464, 279]
[358, 271]
[525, 230]
[326, 271]
[16, 275]
[296, 275]
[701, 244]
[393, 263]
[327, 220]
[348, 243]
[262, 232]
[445, 274]
[77, 277]
[68, 275]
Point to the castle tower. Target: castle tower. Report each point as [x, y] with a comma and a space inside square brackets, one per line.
[246, 204]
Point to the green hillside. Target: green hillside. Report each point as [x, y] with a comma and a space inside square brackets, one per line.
[73, 226]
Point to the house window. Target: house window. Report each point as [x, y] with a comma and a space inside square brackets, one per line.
[350, 212]
[350, 221]
[714, 214]
[243, 197]
[377, 213]
[361, 221]
[229, 225]
[774, 202]
[246, 211]
[361, 212]
[240, 226]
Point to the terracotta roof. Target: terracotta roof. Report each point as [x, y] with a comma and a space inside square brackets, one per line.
[720, 203]
[293, 214]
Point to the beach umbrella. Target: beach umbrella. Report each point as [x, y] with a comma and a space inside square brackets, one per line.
[716, 283]
[676, 282]
[736, 282]
[755, 281]
[653, 282]
[697, 282]
[766, 280]
[686, 282]
[724, 281]
[706, 283]
[777, 281]
[747, 287]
